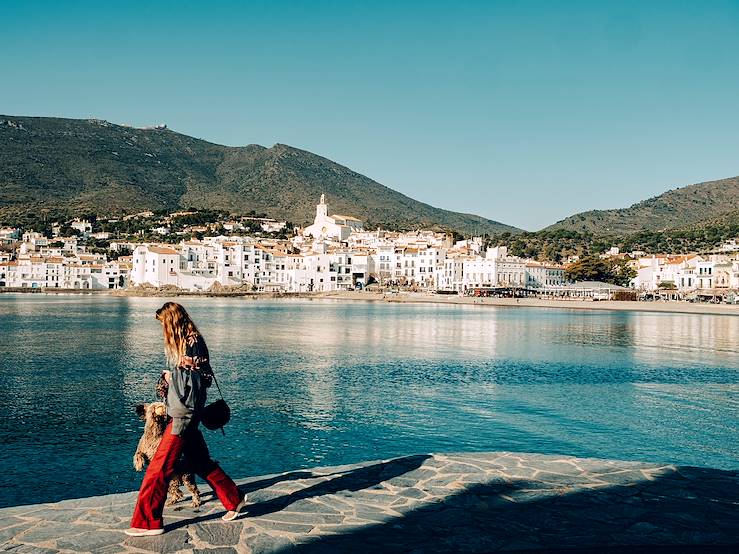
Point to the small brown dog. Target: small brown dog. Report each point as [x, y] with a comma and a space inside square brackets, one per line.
[154, 416]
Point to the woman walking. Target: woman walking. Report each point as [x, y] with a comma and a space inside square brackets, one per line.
[190, 376]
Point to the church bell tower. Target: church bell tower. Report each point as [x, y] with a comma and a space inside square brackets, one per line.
[322, 209]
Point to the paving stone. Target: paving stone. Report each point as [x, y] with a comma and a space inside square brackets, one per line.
[341, 506]
[105, 520]
[412, 493]
[402, 481]
[17, 510]
[445, 480]
[281, 526]
[420, 474]
[15, 530]
[171, 541]
[90, 541]
[263, 543]
[48, 530]
[375, 499]
[58, 514]
[306, 518]
[98, 501]
[218, 534]
[377, 517]
[461, 468]
[9, 521]
[112, 549]
[25, 549]
[318, 506]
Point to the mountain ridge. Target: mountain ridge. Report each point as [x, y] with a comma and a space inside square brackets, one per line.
[71, 165]
[682, 207]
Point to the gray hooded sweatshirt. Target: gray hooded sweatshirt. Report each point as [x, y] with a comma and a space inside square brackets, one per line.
[186, 394]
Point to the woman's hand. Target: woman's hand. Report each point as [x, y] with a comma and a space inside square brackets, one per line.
[167, 375]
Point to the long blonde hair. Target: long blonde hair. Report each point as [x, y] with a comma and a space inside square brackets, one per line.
[177, 327]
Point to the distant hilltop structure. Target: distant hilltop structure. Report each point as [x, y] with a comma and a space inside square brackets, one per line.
[331, 226]
[160, 127]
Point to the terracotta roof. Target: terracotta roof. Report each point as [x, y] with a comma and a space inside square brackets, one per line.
[161, 250]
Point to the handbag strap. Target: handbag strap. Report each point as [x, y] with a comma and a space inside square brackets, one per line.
[219, 392]
[217, 385]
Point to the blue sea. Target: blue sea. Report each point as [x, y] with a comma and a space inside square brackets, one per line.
[327, 382]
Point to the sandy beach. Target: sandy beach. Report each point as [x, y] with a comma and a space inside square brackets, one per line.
[666, 307]
[421, 297]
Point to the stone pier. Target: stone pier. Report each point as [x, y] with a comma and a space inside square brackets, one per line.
[473, 502]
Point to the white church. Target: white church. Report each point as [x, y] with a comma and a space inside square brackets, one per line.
[337, 227]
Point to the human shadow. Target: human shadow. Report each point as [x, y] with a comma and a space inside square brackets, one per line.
[688, 510]
[266, 483]
[259, 484]
[352, 480]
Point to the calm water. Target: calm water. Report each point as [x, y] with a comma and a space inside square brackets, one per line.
[323, 383]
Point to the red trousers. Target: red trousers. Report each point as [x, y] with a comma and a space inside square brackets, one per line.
[153, 492]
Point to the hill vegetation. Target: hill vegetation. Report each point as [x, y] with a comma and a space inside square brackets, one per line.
[65, 167]
[560, 244]
[701, 204]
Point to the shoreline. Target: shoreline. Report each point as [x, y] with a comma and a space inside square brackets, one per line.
[670, 306]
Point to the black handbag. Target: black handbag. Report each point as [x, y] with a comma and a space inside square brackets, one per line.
[216, 414]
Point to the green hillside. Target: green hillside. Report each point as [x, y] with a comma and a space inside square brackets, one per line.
[68, 166]
[679, 208]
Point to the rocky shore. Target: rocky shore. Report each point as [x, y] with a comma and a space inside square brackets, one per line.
[474, 502]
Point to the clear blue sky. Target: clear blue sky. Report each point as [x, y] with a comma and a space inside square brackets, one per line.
[520, 111]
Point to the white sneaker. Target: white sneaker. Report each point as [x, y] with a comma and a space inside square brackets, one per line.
[233, 514]
[136, 532]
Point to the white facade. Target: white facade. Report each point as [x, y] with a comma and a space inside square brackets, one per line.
[81, 225]
[543, 275]
[337, 227]
[686, 274]
[155, 265]
[36, 272]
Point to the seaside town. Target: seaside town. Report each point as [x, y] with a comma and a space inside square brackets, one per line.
[335, 253]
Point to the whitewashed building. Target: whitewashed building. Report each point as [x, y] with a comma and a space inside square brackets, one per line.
[337, 227]
[155, 265]
[539, 275]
